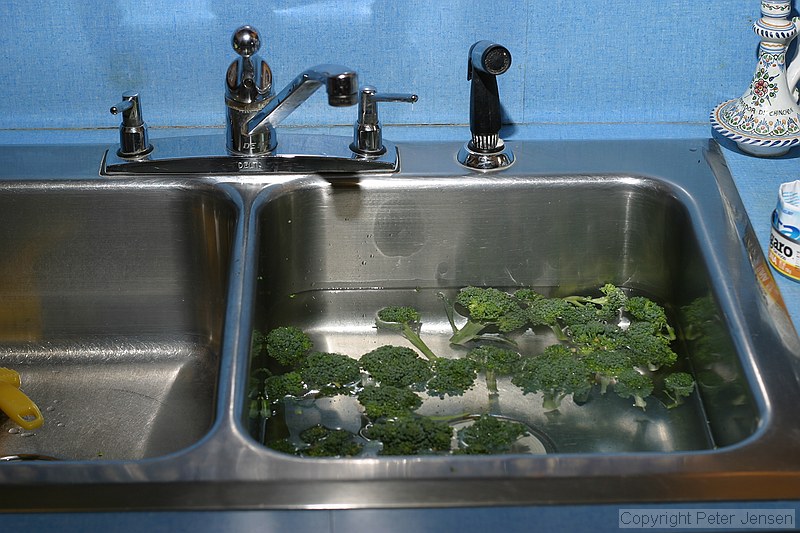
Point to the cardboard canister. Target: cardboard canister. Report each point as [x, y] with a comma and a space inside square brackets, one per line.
[784, 240]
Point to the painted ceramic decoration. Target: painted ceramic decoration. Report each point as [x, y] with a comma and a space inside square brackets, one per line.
[765, 120]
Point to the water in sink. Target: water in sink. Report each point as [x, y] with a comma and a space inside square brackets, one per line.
[341, 320]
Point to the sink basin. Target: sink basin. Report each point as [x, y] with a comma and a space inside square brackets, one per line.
[129, 308]
[111, 308]
[332, 256]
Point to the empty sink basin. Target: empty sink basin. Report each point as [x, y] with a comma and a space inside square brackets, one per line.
[111, 309]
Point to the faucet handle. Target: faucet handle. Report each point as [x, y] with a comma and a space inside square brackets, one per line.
[367, 136]
[248, 80]
[133, 140]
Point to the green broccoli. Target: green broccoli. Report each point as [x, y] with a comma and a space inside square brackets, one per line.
[258, 343]
[406, 321]
[396, 365]
[677, 386]
[494, 361]
[609, 306]
[645, 310]
[410, 435]
[329, 372]
[607, 366]
[452, 377]
[283, 446]
[542, 311]
[281, 385]
[490, 435]
[325, 442]
[631, 383]
[486, 309]
[556, 373]
[594, 335]
[388, 401]
[287, 345]
[648, 348]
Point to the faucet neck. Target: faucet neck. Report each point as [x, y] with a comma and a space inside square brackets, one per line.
[340, 82]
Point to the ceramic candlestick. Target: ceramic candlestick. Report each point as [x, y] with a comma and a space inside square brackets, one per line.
[765, 120]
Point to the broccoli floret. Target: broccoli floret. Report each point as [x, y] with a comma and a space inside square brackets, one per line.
[410, 435]
[631, 383]
[282, 445]
[645, 310]
[258, 343]
[388, 401]
[486, 308]
[595, 335]
[546, 312]
[329, 372]
[556, 373]
[289, 384]
[406, 321]
[287, 345]
[494, 361]
[648, 349]
[677, 386]
[577, 315]
[489, 435]
[325, 442]
[452, 377]
[612, 303]
[396, 365]
[607, 365]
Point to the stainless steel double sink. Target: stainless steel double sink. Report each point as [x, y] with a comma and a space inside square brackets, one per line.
[128, 306]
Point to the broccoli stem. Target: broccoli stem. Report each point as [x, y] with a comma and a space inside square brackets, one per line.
[551, 400]
[418, 343]
[638, 401]
[560, 335]
[448, 309]
[471, 331]
[491, 382]
[604, 382]
[468, 331]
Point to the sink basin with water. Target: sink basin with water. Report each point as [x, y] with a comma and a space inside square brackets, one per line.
[331, 257]
[129, 306]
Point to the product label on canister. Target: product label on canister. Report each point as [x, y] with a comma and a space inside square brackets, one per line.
[784, 255]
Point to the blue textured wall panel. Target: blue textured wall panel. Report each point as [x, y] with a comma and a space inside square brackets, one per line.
[63, 63]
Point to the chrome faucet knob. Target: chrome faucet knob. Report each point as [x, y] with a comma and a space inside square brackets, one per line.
[367, 136]
[133, 141]
[245, 41]
[248, 81]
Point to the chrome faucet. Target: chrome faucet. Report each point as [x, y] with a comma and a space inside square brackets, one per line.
[253, 110]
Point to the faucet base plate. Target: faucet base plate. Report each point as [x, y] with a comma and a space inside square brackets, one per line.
[205, 155]
[483, 160]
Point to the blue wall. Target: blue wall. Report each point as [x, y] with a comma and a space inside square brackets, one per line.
[64, 62]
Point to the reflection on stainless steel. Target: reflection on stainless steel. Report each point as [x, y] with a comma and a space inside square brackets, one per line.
[132, 303]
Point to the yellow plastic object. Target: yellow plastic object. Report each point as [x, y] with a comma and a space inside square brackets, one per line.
[15, 404]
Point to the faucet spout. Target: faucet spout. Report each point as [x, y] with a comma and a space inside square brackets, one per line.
[340, 82]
